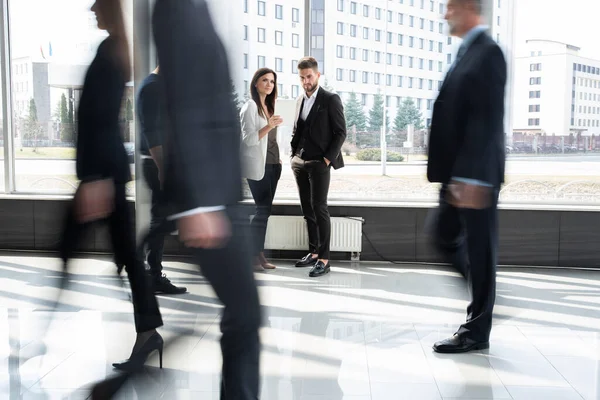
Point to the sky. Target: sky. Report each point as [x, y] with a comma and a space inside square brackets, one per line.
[570, 21]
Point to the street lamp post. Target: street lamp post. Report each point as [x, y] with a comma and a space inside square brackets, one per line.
[383, 140]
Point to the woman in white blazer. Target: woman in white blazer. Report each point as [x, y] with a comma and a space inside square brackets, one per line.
[260, 155]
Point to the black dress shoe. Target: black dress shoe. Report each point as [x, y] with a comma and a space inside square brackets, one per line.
[162, 285]
[459, 344]
[319, 269]
[307, 261]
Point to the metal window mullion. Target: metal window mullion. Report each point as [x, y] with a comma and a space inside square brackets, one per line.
[5, 68]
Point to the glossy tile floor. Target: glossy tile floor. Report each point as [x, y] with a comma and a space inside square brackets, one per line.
[364, 332]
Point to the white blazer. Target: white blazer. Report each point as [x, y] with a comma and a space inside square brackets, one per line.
[253, 151]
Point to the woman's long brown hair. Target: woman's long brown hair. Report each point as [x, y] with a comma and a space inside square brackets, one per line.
[270, 100]
[112, 13]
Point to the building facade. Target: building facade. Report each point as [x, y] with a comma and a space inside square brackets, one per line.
[273, 34]
[557, 92]
[30, 82]
[396, 48]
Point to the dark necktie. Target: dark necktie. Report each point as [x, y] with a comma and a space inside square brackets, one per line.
[461, 52]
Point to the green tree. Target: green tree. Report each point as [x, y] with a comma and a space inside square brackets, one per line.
[354, 113]
[327, 87]
[66, 122]
[236, 97]
[129, 110]
[376, 114]
[71, 112]
[407, 114]
[32, 129]
[33, 111]
[63, 111]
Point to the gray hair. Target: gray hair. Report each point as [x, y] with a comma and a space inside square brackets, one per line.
[477, 5]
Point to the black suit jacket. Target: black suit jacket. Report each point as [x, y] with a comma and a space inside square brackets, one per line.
[467, 128]
[100, 150]
[202, 161]
[326, 126]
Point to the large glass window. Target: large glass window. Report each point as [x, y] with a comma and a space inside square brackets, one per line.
[52, 43]
[552, 125]
[2, 163]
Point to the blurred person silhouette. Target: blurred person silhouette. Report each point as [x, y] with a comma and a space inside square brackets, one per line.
[203, 179]
[466, 155]
[260, 156]
[151, 111]
[103, 169]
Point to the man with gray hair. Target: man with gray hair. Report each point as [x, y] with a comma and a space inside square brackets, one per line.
[466, 155]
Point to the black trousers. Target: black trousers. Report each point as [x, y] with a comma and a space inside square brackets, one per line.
[313, 178]
[469, 238]
[122, 233]
[152, 247]
[229, 272]
[263, 193]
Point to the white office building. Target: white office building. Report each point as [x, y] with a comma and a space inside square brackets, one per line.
[273, 37]
[399, 48]
[557, 92]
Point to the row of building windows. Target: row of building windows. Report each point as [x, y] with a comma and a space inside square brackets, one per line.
[21, 87]
[586, 82]
[262, 10]
[21, 69]
[534, 108]
[588, 109]
[341, 29]
[412, 40]
[588, 123]
[341, 6]
[400, 60]
[364, 97]
[589, 96]
[278, 67]
[262, 37]
[376, 77]
[535, 94]
[586, 68]
[533, 122]
[535, 67]
[535, 81]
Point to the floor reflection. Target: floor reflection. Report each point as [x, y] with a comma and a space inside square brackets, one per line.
[362, 333]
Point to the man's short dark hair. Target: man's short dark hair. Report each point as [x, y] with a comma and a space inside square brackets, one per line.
[308, 62]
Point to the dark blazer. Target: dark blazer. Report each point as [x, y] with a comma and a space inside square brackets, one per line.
[467, 138]
[202, 160]
[326, 126]
[100, 150]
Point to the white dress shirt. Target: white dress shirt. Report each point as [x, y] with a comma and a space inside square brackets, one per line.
[308, 103]
[194, 211]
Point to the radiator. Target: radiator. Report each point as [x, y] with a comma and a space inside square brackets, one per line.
[289, 233]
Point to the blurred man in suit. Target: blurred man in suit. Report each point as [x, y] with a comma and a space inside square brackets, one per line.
[152, 122]
[203, 179]
[467, 156]
[319, 133]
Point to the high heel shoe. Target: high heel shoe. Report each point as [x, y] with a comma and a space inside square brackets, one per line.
[138, 359]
